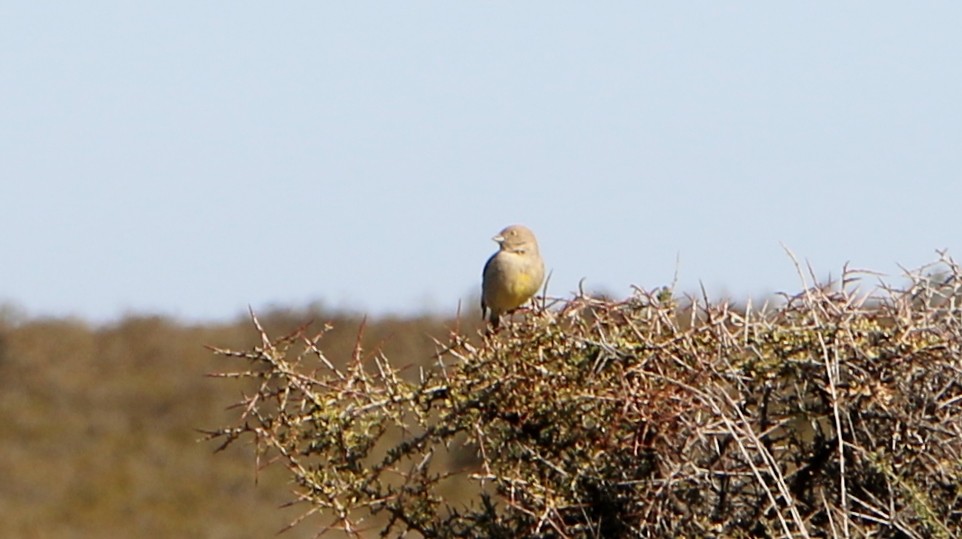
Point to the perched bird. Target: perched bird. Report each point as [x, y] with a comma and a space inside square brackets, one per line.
[513, 274]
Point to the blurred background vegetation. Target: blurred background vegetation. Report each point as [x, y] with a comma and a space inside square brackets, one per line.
[100, 437]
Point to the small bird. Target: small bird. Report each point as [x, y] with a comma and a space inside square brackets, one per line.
[513, 274]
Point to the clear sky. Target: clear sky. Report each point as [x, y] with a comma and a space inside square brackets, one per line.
[191, 158]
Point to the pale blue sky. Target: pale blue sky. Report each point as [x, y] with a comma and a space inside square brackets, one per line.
[191, 158]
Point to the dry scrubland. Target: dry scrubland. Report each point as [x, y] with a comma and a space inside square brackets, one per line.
[834, 414]
[99, 438]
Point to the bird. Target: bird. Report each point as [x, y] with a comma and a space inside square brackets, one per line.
[513, 274]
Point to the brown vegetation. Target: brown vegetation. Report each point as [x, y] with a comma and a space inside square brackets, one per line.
[837, 414]
[99, 434]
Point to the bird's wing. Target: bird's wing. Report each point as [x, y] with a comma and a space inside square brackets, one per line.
[484, 278]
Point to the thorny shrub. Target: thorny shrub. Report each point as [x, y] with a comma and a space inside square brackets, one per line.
[835, 414]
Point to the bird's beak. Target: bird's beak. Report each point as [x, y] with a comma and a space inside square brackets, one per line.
[498, 239]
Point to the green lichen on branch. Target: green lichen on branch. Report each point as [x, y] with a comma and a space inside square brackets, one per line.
[835, 414]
